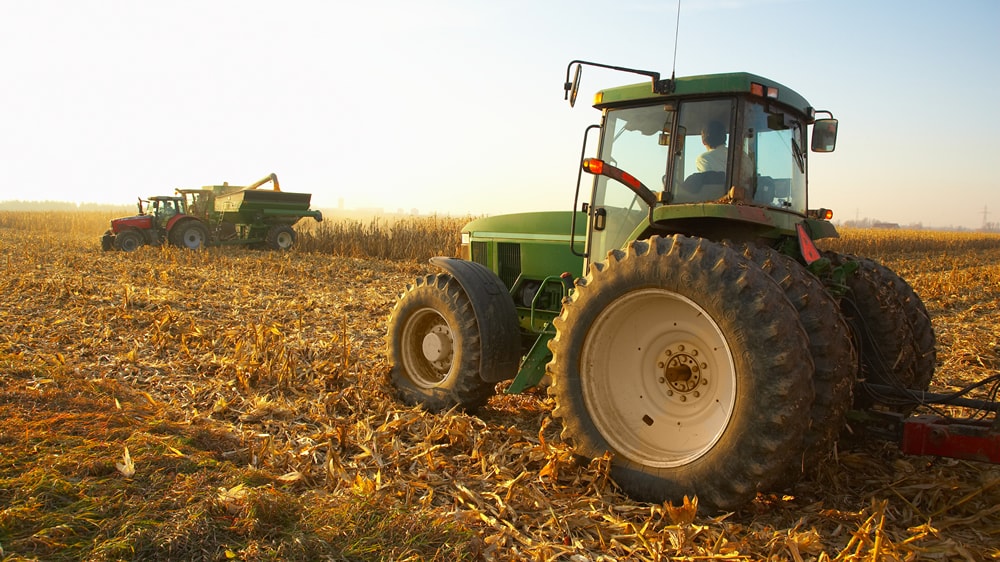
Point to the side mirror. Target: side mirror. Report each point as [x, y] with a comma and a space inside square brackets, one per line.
[824, 137]
[572, 88]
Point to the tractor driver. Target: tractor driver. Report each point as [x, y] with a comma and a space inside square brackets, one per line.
[713, 136]
[166, 210]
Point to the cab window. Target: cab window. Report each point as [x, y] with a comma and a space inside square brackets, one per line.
[637, 141]
[775, 144]
[701, 161]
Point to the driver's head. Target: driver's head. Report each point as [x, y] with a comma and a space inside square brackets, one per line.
[713, 134]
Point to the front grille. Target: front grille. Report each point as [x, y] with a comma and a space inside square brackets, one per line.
[509, 262]
[479, 253]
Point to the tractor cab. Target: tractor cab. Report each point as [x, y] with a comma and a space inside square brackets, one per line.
[164, 207]
[724, 151]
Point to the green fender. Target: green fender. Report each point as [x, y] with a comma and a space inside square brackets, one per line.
[499, 331]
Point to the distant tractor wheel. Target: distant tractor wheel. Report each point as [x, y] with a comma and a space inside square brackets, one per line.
[191, 235]
[687, 363]
[434, 343]
[128, 241]
[830, 344]
[281, 237]
[882, 332]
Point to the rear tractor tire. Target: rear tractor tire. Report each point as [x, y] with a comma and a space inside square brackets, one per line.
[884, 334]
[924, 340]
[830, 345]
[434, 344]
[129, 241]
[687, 363]
[281, 237]
[190, 234]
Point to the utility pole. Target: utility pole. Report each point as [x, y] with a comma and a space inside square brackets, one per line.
[986, 213]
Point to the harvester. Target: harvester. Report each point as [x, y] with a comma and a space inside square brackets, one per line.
[214, 215]
[681, 316]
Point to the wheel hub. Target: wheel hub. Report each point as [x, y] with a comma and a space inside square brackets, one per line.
[438, 347]
[682, 371]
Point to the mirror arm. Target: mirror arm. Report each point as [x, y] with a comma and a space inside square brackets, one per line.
[818, 111]
[659, 86]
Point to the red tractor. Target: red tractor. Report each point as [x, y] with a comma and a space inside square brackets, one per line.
[214, 215]
[161, 219]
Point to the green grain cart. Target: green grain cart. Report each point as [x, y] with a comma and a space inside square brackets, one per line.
[214, 215]
[682, 316]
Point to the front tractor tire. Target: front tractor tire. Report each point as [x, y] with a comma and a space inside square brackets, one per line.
[191, 235]
[686, 362]
[434, 345]
[129, 241]
[280, 237]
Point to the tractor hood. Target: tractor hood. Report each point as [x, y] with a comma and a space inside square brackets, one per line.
[136, 221]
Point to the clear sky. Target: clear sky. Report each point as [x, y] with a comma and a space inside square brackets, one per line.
[456, 106]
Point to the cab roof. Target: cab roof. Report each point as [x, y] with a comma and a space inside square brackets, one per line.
[704, 85]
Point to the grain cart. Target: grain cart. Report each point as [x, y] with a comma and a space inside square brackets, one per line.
[682, 316]
[214, 215]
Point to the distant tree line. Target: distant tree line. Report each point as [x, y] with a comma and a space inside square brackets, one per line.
[64, 206]
[876, 223]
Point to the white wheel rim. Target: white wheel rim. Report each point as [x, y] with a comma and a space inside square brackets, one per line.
[284, 240]
[193, 238]
[428, 346]
[658, 378]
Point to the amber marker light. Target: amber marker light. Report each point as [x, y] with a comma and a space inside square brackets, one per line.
[822, 214]
[593, 165]
[763, 91]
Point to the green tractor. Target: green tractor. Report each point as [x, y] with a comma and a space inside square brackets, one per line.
[681, 317]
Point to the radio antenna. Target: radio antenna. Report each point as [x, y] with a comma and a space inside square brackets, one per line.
[677, 30]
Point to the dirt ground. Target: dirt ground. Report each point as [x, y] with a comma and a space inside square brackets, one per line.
[234, 404]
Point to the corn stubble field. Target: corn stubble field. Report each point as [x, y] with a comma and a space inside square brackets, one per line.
[235, 404]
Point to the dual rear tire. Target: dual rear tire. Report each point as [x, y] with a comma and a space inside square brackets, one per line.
[892, 331]
[689, 365]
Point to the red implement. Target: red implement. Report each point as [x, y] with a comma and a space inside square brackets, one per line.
[960, 439]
